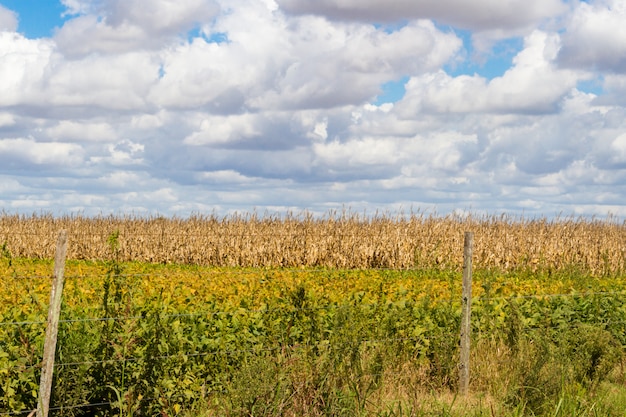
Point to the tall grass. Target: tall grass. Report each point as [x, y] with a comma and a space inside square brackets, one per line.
[338, 240]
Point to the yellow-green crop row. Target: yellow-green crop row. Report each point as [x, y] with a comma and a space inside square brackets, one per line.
[26, 283]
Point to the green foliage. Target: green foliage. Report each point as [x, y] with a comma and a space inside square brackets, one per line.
[287, 348]
[554, 343]
[19, 376]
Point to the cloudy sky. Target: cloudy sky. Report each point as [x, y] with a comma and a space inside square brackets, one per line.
[213, 106]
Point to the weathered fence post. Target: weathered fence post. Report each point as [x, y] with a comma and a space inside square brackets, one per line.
[52, 328]
[466, 307]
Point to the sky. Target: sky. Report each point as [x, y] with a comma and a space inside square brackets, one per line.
[176, 108]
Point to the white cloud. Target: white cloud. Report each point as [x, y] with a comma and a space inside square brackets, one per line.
[119, 82]
[204, 74]
[356, 153]
[75, 7]
[307, 62]
[8, 20]
[618, 150]
[89, 34]
[614, 86]
[122, 153]
[33, 73]
[7, 119]
[9, 185]
[596, 37]
[149, 121]
[68, 130]
[122, 180]
[533, 70]
[220, 130]
[25, 152]
[222, 177]
[117, 26]
[337, 64]
[320, 130]
[388, 156]
[476, 15]
[24, 64]
[160, 17]
[532, 85]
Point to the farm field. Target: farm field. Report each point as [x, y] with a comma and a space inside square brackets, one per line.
[339, 240]
[276, 327]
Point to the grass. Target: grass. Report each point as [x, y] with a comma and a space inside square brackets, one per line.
[608, 399]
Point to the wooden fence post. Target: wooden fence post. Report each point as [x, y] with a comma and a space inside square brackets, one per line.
[52, 328]
[466, 308]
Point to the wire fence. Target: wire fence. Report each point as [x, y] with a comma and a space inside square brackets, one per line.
[485, 314]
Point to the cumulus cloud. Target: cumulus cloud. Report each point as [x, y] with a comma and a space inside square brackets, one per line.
[120, 82]
[6, 119]
[618, 150]
[69, 130]
[307, 62]
[122, 153]
[342, 64]
[8, 20]
[22, 153]
[225, 129]
[595, 37]
[532, 85]
[75, 7]
[90, 34]
[23, 67]
[614, 86]
[114, 26]
[476, 15]
[160, 17]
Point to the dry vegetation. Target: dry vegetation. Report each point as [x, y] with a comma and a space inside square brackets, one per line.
[343, 240]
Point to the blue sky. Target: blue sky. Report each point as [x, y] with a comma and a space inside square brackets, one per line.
[509, 106]
[37, 18]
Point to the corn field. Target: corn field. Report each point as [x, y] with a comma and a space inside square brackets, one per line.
[337, 240]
